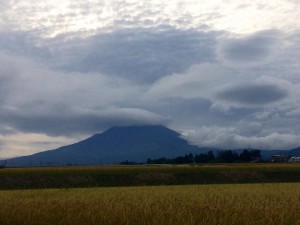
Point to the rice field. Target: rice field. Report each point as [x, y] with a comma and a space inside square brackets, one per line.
[239, 204]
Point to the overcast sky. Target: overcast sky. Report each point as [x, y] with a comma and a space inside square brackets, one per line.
[222, 73]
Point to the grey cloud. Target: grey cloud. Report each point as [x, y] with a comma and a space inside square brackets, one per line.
[139, 54]
[286, 63]
[294, 1]
[253, 50]
[295, 112]
[253, 94]
[23, 44]
[3, 3]
[194, 112]
[4, 90]
[142, 55]
[196, 82]
[250, 128]
[276, 121]
[71, 122]
[229, 138]
[43, 101]
[7, 78]
[225, 88]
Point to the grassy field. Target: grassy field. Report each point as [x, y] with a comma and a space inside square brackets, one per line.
[235, 204]
[115, 176]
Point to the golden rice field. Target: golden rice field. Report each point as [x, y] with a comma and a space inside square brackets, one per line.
[218, 204]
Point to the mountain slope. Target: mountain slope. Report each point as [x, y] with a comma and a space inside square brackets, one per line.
[135, 143]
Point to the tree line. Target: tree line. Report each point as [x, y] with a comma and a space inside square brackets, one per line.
[225, 156]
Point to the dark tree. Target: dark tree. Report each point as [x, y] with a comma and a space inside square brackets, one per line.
[201, 158]
[227, 156]
[162, 160]
[210, 156]
[245, 156]
[205, 157]
[255, 154]
[184, 159]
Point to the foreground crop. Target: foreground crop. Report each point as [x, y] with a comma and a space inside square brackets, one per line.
[195, 204]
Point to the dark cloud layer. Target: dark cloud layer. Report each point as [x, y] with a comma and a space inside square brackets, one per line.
[252, 50]
[69, 123]
[253, 94]
[139, 54]
[142, 55]
[36, 99]
[23, 44]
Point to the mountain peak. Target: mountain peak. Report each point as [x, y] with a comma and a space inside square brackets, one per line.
[145, 129]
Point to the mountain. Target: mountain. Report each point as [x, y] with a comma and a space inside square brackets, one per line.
[294, 152]
[267, 154]
[134, 143]
[118, 144]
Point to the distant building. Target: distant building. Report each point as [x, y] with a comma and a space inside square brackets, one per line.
[279, 158]
[295, 159]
